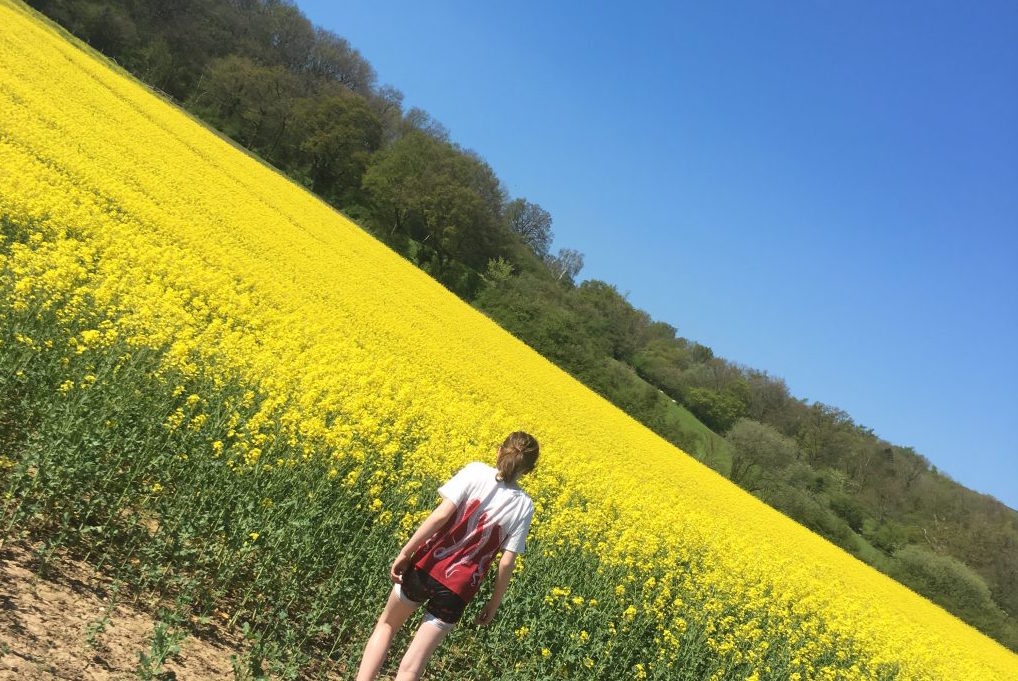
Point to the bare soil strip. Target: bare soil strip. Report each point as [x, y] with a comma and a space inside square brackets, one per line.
[52, 628]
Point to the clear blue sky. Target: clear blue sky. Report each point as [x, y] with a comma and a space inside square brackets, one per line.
[827, 191]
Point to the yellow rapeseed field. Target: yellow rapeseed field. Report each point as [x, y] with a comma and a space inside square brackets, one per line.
[178, 240]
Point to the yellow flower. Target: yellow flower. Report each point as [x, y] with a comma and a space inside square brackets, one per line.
[191, 251]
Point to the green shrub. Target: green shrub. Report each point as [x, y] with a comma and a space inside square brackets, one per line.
[849, 509]
[943, 579]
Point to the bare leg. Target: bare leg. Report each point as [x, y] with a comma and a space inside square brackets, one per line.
[392, 618]
[428, 638]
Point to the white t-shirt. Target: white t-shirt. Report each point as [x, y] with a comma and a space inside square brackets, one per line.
[491, 515]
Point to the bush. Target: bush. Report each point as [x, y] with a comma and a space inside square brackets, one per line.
[887, 536]
[809, 512]
[850, 510]
[759, 452]
[718, 411]
[944, 579]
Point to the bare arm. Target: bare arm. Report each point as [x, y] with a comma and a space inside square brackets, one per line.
[431, 524]
[505, 573]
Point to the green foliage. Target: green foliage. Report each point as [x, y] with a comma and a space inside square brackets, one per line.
[661, 362]
[109, 27]
[624, 387]
[849, 509]
[464, 281]
[251, 103]
[718, 410]
[953, 585]
[565, 266]
[888, 536]
[499, 270]
[437, 194]
[810, 512]
[826, 435]
[614, 319]
[98, 625]
[532, 223]
[338, 134]
[759, 453]
[769, 402]
[165, 645]
[536, 311]
[331, 59]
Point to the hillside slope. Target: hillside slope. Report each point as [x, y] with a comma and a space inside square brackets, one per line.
[118, 208]
[305, 101]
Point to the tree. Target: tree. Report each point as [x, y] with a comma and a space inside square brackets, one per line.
[661, 362]
[770, 401]
[536, 310]
[333, 59]
[109, 29]
[531, 222]
[499, 270]
[718, 411]
[909, 465]
[194, 32]
[338, 134]
[850, 509]
[945, 580]
[419, 120]
[252, 104]
[482, 178]
[664, 331]
[616, 321]
[289, 34]
[566, 265]
[825, 437]
[759, 452]
[387, 103]
[438, 195]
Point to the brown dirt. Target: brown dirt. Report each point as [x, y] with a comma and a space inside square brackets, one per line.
[45, 626]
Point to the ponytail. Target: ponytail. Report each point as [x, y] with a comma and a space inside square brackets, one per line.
[517, 456]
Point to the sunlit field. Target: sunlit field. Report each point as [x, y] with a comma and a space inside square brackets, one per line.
[218, 389]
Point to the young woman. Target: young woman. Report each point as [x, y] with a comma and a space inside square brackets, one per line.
[483, 511]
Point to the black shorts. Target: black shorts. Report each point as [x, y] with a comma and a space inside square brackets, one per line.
[420, 587]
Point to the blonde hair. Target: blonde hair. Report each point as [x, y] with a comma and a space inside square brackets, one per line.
[517, 456]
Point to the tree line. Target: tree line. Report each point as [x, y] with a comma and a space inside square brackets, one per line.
[307, 102]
